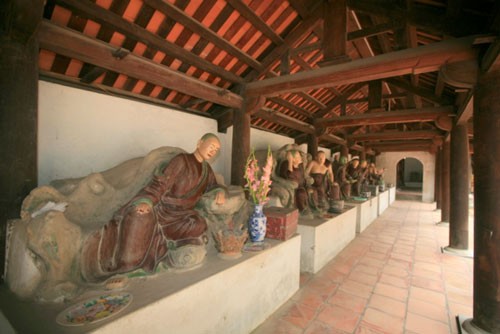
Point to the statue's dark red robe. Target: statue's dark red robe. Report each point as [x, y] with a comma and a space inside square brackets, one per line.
[133, 240]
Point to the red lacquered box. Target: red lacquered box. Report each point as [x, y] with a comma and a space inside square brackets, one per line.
[281, 222]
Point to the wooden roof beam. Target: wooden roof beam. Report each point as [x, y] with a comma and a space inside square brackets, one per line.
[107, 18]
[400, 116]
[427, 18]
[79, 46]
[284, 120]
[178, 15]
[410, 61]
[256, 21]
[426, 94]
[395, 135]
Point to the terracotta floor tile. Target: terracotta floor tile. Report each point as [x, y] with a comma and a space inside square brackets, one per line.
[426, 283]
[372, 262]
[362, 277]
[392, 278]
[428, 310]
[394, 281]
[391, 291]
[317, 327]
[357, 289]
[366, 330]
[395, 271]
[402, 257]
[310, 297]
[430, 296]
[299, 315]
[332, 274]
[366, 269]
[421, 325]
[388, 305]
[382, 322]
[323, 285]
[339, 318]
[277, 326]
[349, 301]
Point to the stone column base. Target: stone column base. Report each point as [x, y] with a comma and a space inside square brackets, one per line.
[458, 252]
[465, 326]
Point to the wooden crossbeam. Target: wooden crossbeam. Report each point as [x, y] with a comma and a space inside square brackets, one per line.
[118, 23]
[409, 61]
[395, 135]
[400, 116]
[284, 120]
[78, 46]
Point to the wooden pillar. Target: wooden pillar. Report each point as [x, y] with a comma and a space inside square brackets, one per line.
[312, 145]
[487, 204]
[459, 188]
[437, 177]
[375, 96]
[18, 107]
[241, 146]
[445, 182]
[334, 32]
[344, 151]
[241, 138]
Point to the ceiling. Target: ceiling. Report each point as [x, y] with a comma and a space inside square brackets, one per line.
[374, 75]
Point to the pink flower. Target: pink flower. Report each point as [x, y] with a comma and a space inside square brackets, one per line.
[258, 186]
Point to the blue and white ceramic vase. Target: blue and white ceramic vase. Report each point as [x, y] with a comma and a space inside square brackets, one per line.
[257, 224]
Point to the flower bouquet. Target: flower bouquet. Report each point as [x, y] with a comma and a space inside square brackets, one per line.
[258, 186]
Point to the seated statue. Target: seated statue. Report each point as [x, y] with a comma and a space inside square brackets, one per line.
[292, 168]
[353, 175]
[374, 175]
[343, 179]
[159, 219]
[77, 232]
[324, 184]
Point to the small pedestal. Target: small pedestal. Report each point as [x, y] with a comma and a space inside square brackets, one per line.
[323, 239]
[367, 212]
[383, 201]
[392, 194]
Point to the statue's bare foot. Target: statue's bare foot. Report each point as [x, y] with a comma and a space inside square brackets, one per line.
[116, 282]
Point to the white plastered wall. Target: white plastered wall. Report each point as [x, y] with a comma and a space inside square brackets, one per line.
[389, 160]
[81, 132]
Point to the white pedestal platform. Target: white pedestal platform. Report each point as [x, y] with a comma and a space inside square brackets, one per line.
[323, 239]
[367, 212]
[392, 194]
[222, 296]
[383, 201]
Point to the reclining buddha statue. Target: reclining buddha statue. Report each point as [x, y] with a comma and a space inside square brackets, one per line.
[143, 215]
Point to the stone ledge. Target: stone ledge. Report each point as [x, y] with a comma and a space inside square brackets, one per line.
[220, 297]
[323, 239]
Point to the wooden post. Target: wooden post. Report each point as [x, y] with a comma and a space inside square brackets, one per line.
[312, 145]
[334, 32]
[241, 138]
[445, 182]
[375, 96]
[344, 151]
[437, 177]
[486, 116]
[18, 107]
[459, 189]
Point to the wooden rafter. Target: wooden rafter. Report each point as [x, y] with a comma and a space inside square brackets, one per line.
[401, 116]
[78, 46]
[420, 60]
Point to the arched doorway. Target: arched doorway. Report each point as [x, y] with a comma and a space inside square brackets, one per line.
[409, 179]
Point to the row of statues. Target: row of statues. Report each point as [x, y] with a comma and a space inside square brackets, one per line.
[321, 184]
[153, 212]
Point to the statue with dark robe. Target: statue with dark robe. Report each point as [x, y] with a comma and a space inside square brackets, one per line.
[324, 184]
[158, 220]
[306, 198]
